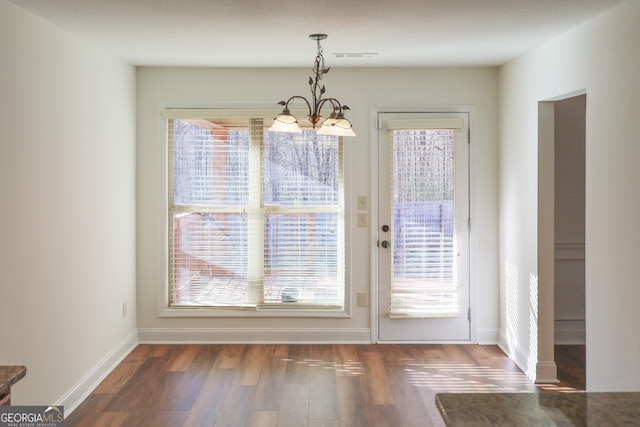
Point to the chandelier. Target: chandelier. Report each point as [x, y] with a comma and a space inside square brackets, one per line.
[336, 124]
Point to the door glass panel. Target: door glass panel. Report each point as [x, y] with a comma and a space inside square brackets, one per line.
[424, 263]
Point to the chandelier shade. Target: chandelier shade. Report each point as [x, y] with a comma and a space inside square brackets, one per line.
[285, 122]
[336, 124]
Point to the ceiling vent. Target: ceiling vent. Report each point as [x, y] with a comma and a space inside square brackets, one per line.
[355, 55]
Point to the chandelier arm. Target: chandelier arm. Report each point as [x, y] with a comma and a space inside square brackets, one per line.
[286, 104]
[333, 103]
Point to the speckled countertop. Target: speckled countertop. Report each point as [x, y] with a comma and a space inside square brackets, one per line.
[539, 409]
[9, 375]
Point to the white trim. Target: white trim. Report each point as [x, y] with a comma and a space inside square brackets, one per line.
[546, 373]
[542, 372]
[254, 336]
[517, 355]
[177, 111]
[569, 251]
[567, 95]
[474, 243]
[80, 391]
[439, 123]
[488, 336]
[162, 168]
[253, 312]
[570, 330]
[570, 317]
[375, 222]
[349, 228]
[444, 342]
[197, 113]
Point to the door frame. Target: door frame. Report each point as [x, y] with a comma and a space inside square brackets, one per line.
[375, 223]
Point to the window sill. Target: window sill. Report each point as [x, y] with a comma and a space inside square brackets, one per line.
[253, 312]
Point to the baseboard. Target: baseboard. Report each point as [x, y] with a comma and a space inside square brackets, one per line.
[518, 356]
[78, 393]
[546, 373]
[254, 336]
[488, 336]
[540, 372]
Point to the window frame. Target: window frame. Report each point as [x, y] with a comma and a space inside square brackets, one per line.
[164, 307]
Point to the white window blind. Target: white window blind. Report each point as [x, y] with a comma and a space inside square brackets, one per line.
[423, 282]
[256, 218]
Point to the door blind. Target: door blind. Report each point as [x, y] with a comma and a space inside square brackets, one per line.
[423, 272]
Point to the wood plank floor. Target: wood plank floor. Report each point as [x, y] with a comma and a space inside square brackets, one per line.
[238, 385]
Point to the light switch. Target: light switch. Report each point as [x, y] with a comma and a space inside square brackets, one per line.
[363, 300]
[362, 203]
[362, 220]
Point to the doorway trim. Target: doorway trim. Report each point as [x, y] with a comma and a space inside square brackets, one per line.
[546, 368]
[374, 224]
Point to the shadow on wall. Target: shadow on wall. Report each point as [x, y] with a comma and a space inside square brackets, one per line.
[526, 358]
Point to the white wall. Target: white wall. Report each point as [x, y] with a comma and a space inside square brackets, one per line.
[362, 90]
[602, 58]
[67, 209]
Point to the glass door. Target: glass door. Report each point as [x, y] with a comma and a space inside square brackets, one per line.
[423, 239]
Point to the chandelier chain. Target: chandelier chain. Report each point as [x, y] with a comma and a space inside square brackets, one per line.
[319, 71]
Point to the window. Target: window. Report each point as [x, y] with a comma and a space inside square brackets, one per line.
[256, 218]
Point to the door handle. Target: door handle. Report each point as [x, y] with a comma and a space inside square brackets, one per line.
[385, 244]
[385, 228]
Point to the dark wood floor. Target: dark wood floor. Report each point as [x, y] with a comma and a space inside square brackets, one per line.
[572, 367]
[303, 385]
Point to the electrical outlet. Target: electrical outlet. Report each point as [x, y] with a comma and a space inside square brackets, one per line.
[362, 220]
[362, 203]
[363, 301]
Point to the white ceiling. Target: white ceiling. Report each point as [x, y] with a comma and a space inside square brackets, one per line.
[256, 33]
